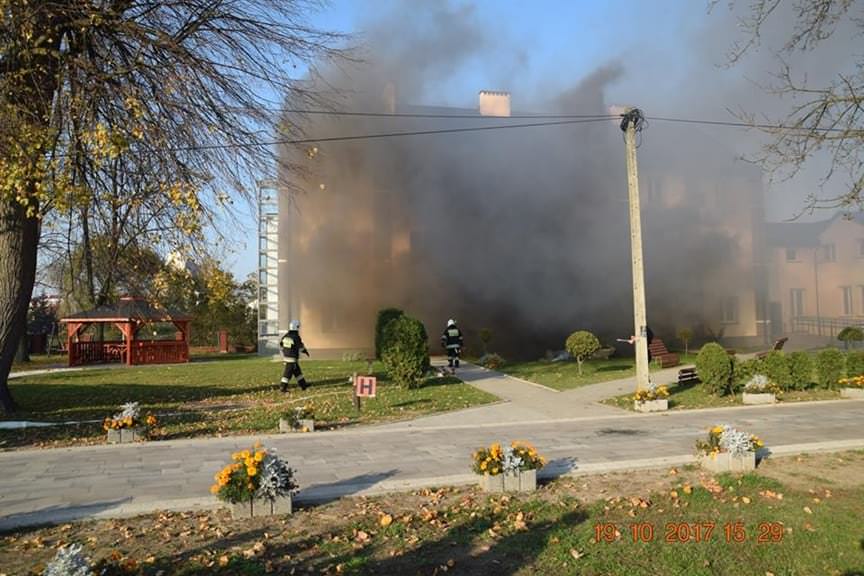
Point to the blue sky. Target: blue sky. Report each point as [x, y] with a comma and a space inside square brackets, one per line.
[670, 51]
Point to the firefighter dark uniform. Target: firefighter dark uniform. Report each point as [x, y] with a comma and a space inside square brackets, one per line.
[451, 340]
[292, 345]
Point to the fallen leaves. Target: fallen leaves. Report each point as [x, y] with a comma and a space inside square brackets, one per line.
[385, 520]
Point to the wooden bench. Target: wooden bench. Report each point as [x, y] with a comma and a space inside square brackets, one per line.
[778, 345]
[661, 355]
[688, 376]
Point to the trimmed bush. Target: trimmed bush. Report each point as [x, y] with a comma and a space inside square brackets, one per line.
[491, 361]
[830, 365]
[777, 369]
[850, 334]
[855, 364]
[801, 370]
[745, 370]
[384, 318]
[406, 353]
[715, 369]
[581, 345]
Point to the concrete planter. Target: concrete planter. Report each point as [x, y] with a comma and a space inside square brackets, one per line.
[127, 435]
[659, 405]
[765, 398]
[305, 423]
[262, 508]
[522, 481]
[856, 393]
[725, 462]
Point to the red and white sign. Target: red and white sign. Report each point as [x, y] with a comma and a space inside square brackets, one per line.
[364, 386]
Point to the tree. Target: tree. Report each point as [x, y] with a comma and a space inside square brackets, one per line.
[822, 119]
[485, 338]
[850, 334]
[685, 335]
[581, 345]
[174, 92]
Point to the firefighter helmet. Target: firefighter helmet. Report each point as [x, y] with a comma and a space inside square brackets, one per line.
[451, 322]
[294, 325]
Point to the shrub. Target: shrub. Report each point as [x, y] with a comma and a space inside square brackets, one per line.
[581, 345]
[491, 361]
[855, 364]
[384, 318]
[777, 369]
[406, 353]
[715, 369]
[801, 370]
[745, 370]
[830, 365]
[485, 338]
[761, 384]
[850, 334]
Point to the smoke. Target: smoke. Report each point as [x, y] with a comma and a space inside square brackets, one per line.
[522, 231]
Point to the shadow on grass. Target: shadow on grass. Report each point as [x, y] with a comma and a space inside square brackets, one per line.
[558, 467]
[613, 368]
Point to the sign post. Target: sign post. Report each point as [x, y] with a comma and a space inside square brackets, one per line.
[364, 387]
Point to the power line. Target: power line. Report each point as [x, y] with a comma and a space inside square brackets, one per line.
[537, 116]
[386, 135]
[746, 125]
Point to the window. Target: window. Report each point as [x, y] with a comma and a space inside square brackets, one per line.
[791, 255]
[729, 313]
[847, 300]
[797, 304]
[829, 253]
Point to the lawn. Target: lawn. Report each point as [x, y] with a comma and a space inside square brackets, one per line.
[226, 396]
[565, 375]
[796, 515]
[39, 361]
[689, 396]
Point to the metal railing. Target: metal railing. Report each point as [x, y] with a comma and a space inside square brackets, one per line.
[824, 326]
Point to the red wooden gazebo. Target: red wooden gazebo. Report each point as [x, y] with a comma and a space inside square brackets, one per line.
[129, 316]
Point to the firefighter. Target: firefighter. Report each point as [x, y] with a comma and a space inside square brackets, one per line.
[451, 340]
[292, 345]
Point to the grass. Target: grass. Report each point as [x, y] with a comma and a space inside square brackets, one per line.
[565, 375]
[38, 361]
[572, 526]
[229, 396]
[690, 396]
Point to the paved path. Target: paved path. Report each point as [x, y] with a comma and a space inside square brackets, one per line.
[39, 486]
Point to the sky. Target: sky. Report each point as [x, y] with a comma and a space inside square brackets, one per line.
[671, 52]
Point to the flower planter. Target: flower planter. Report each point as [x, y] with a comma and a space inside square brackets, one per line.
[522, 481]
[765, 398]
[126, 435]
[659, 405]
[725, 462]
[262, 508]
[856, 393]
[304, 424]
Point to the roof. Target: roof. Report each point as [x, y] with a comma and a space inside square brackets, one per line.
[801, 234]
[128, 309]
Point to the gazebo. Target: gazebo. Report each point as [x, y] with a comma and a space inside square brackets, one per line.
[128, 316]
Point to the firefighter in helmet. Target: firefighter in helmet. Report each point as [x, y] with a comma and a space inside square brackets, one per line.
[292, 345]
[451, 340]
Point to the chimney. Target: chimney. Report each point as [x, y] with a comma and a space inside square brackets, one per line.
[494, 103]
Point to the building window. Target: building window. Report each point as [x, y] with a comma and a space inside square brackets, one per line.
[729, 313]
[797, 304]
[847, 300]
[791, 255]
[829, 253]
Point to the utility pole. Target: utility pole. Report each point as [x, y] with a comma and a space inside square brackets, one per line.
[631, 123]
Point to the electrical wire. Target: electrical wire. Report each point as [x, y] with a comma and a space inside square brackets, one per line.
[537, 116]
[746, 124]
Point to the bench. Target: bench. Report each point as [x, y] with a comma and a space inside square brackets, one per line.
[661, 355]
[687, 376]
[778, 345]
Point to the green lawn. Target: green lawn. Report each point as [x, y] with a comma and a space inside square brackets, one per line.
[778, 521]
[689, 396]
[39, 361]
[225, 396]
[565, 375]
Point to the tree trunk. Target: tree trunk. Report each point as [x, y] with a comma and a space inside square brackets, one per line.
[23, 353]
[19, 236]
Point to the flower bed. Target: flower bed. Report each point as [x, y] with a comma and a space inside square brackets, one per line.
[128, 426]
[761, 390]
[651, 399]
[256, 483]
[301, 419]
[728, 450]
[512, 468]
[852, 387]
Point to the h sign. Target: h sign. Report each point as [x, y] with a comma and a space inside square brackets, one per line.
[364, 386]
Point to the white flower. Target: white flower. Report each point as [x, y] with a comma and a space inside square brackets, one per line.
[735, 442]
[510, 462]
[130, 410]
[69, 561]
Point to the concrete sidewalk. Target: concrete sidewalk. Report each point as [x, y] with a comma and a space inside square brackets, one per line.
[39, 486]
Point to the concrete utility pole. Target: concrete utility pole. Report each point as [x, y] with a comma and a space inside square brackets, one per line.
[632, 122]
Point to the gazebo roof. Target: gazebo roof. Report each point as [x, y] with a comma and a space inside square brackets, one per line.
[128, 309]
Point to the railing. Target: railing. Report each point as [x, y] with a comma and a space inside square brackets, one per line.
[159, 352]
[96, 352]
[824, 326]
